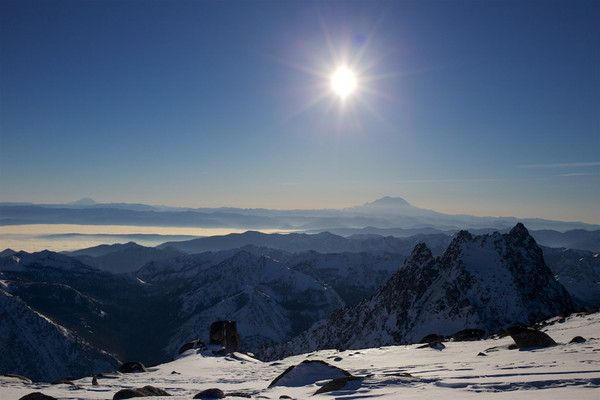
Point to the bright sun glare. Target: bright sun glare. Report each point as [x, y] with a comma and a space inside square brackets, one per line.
[343, 82]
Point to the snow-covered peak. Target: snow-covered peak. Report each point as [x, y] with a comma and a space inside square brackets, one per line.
[486, 282]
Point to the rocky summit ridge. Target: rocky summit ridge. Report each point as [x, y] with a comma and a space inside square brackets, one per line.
[486, 282]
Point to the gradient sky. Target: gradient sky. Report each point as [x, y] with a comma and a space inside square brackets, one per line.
[472, 107]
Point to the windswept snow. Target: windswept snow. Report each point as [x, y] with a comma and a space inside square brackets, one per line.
[565, 371]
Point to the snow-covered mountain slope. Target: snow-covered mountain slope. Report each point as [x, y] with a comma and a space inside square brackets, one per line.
[27, 336]
[458, 371]
[579, 273]
[486, 282]
[269, 301]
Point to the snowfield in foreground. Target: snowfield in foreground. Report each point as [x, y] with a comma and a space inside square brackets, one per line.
[461, 370]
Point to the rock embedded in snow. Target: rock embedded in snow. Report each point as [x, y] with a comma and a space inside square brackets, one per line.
[62, 382]
[132, 367]
[37, 396]
[336, 384]
[432, 338]
[146, 391]
[578, 339]
[468, 335]
[213, 393]
[528, 337]
[309, 372]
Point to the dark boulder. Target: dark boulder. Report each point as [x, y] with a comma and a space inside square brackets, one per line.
[213, 393]
[468, 335]
[62, 382]
[37, 396]
[146, 391]
[578, 339]
[528, 337]
[432, 338]
[131, 367]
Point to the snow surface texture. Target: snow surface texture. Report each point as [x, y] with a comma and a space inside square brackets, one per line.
[565, 371]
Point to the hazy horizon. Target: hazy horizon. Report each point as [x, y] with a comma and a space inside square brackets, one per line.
[457, 211]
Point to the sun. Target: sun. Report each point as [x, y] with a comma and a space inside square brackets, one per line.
[343, 82]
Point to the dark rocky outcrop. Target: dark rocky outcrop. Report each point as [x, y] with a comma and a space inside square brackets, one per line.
[146, 391]
[468, 335]
[224, 333]
[62, 382]
[132, 367]
[432, 338]
[213, 393]
[37, 396]
[528, 337]
[336, 384]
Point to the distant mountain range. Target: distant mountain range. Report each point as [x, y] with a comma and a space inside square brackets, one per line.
[393, 215]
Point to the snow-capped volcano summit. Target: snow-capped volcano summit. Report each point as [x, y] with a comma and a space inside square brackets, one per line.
[486, 282]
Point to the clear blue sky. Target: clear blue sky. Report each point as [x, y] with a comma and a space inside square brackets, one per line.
[474, 107]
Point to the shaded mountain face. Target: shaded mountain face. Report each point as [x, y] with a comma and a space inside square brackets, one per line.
[323, 242]
[36, 347]
[578, 271]
[122, 258]
[486, 282]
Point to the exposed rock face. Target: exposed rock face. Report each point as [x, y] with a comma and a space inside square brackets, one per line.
[484, 282]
